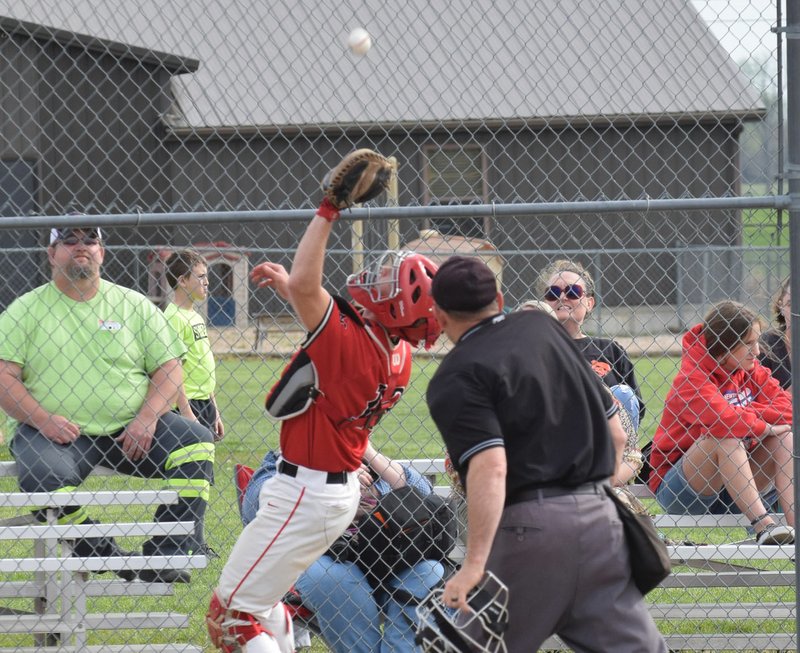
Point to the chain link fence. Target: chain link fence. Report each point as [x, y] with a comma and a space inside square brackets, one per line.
[643, 140]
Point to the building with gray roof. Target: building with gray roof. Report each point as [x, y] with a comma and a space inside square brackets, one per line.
[156, 105]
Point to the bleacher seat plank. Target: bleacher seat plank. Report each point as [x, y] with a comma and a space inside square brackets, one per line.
[31, 589]
[100, 564]
[701, 521]
[8, 468]
[719, 642]
[733, 642]
[119, 529]
[87, 498]
[756, 578]
[724, 611]
[641, 491]
[52, 623]
[731, 552]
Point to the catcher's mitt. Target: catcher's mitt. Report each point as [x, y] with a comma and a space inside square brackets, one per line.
[359, 177]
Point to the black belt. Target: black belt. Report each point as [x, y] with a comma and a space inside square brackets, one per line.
[334, 478]
[529, 494]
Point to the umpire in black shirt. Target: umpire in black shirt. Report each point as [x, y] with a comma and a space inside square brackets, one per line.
[534, 440]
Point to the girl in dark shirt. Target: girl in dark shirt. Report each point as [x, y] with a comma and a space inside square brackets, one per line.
[568, 288]
[777, 343]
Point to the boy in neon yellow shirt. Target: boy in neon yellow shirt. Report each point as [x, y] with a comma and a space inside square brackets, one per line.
[187, 274]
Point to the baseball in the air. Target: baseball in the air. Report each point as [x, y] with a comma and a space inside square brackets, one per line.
[359, 41]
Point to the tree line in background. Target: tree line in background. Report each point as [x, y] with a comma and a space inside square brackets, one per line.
[760, 145]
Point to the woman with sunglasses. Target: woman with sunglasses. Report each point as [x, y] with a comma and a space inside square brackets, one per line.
[776, 344]
[568, 289]
[724, 443]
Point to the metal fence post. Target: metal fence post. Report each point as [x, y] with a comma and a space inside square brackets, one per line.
[793, 174]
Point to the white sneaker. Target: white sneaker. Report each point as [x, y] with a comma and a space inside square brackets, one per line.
[775, 534]
[302, 637]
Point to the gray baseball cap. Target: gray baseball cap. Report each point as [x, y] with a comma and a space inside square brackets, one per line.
[60, 233]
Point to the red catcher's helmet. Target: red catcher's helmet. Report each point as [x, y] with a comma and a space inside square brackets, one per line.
[396, 289]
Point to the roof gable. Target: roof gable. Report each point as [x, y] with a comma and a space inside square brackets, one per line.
[270, 63]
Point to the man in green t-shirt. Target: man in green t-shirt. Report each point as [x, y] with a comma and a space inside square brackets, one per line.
[90, 371]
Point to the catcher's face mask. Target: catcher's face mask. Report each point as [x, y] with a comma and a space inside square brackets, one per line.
[380, 279]
[443, 630]
[396, 290]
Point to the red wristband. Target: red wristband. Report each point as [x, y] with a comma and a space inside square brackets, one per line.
[328, 211]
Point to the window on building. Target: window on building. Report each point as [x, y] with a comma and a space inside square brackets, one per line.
[17, 187]
[456, 175]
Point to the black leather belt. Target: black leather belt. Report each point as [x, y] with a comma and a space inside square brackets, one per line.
[334, 478]
[529, 494]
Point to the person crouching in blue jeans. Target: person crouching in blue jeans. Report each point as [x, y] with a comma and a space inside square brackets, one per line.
[348, 611]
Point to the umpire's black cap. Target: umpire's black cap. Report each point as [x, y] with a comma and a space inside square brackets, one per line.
[464, 283]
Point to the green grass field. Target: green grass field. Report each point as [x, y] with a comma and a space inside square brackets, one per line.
[405, 432]
[654, 375]
[764, 228]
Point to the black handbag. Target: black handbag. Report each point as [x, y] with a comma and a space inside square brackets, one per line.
[650, 563]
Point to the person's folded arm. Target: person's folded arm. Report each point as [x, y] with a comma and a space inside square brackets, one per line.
[162, 393]
[390, 471]
[19, 404]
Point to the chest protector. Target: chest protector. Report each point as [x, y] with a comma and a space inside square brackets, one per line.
[296, 390]
[298, 386]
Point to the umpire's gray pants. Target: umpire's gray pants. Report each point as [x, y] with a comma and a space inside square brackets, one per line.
[565, 562]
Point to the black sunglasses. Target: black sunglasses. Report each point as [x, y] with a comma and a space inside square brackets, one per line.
[571, 291]
[72, 240]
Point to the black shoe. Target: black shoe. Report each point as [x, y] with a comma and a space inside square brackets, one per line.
[125, 574]
[102, 546]
[165, 576]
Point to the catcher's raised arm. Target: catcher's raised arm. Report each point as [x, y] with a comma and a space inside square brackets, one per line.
[360, 176]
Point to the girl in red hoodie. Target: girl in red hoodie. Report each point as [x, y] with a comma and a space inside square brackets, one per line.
[724, 442]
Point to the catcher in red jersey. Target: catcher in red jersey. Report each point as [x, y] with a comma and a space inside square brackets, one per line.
[352, 368]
